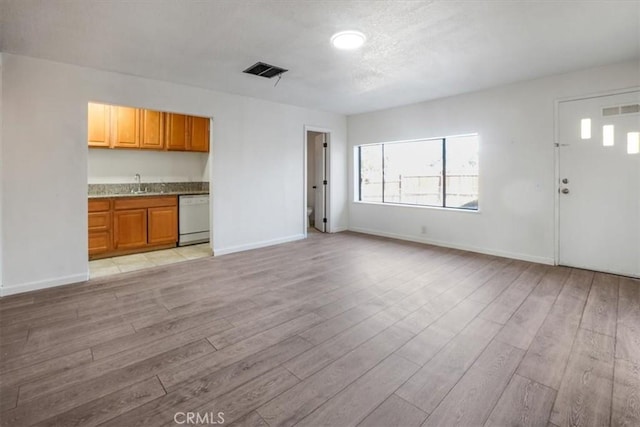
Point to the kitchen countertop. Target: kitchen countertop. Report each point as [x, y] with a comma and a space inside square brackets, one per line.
[107, 191]
[166, 193]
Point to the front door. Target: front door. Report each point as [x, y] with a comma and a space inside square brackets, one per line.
[599, 173]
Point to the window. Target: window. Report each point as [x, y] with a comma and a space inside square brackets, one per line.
[431, 172]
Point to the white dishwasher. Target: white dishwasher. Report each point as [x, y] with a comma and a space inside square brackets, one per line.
[193, 218]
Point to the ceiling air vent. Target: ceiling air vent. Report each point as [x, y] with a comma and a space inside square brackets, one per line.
[264, 70]
[621, 109]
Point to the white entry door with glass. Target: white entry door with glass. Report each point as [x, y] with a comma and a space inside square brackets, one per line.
[599, 183]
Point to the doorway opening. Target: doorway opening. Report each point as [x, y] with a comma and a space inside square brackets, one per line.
[148, 176]
[317, 181]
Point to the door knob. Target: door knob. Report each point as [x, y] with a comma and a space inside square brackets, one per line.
[565, 191]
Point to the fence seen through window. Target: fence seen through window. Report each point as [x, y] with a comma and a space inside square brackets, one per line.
[439, 172]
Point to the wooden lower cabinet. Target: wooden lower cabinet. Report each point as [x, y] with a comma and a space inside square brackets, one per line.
[130, 229]
[100, 221]
[127, 225]
[100, 240]
[99, 232]
[162, 225]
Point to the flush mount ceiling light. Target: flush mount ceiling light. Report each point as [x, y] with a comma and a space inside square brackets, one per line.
[348, 40]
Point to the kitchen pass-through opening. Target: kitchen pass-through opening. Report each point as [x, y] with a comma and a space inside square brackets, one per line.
[148, 188]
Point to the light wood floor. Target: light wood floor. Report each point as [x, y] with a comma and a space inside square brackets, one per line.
[336, 330]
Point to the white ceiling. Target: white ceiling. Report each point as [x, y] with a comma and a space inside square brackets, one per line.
[416, 50]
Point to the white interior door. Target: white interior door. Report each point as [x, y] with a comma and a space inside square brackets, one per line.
[320, 180]
[599, 200]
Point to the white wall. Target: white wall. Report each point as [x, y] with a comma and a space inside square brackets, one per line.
[107, 166]
[257, 165]
[517, 188]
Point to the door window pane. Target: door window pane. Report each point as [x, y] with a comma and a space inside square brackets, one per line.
[633, 142]
[462, 172]
[607, 135]
[413, 172]
[371, 173]
[585, 128]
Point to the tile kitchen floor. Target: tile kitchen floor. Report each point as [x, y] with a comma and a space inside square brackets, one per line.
[126, 263]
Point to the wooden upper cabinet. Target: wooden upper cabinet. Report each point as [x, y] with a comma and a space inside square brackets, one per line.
[199, 134]
[152, 129]
[114, 126]
[99, 125]
[176, 131]
[125, 124]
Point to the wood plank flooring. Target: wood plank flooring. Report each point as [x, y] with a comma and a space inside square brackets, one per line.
[336, 330]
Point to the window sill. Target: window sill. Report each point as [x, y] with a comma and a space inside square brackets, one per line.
[400, 205]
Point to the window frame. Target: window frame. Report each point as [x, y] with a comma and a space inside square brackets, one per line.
[444, 174]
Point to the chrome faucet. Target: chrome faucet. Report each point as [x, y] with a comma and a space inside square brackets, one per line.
[139, 190]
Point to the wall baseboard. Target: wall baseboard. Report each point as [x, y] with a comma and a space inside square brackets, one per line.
[66, 280]
[503, 254]
[257, 245]
[43, 284]
[339, 229]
